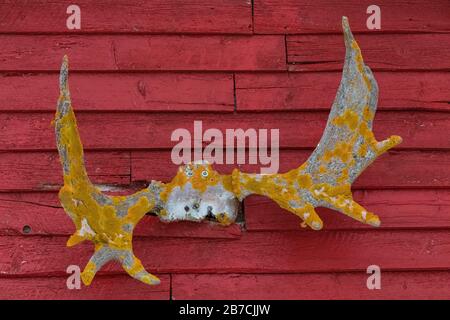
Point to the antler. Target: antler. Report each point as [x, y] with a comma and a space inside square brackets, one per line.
[108, 221]
[346, 148]
[197, 192]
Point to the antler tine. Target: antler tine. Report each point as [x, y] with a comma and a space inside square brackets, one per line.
[64, 76]
[67, 137]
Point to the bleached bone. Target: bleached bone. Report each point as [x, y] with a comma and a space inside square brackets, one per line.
[197, 192]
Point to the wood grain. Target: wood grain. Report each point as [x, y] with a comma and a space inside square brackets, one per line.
[41, 214]
[142, 52]
[33, 130]
[397, 209]
[129, 16]
[125, 92]
[396, 169]
[255, 252]
[394, 285]
[43, 170]
[107, 287]
[324, 16]
[424, 52]
[316, 91]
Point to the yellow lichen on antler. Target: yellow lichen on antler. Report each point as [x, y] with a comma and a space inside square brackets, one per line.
[108, 221]
[346, 148]
[197, 192]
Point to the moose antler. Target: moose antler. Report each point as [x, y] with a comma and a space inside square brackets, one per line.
[108, 221]
[197, 192]
[346, 148]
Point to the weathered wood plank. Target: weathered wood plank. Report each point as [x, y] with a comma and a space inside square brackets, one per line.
[43, 171]
[41, 214]
[44, 52]
[105, 287]
[141, 52]
[397, 209]
[394, 285]
[396, 169]
[32, 131]
[312, 91]
[124, 92]
[125, 16]
[381, 52]
[324, 16]
[206, 53]
[254, 252]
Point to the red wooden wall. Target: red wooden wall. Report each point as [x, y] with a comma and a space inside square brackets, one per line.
[140, 69]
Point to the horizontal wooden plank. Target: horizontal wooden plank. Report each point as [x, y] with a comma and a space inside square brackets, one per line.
[214, 92]
[43, 171]
[254, 252]
[125, 16]
[330, 286]
[404, 169]
[306, 16]
[107, 287]
[40, 213]
[396, 209]
[308, 91]
[32, 131]
[141, 52]
[381, 52]
[124, 92]
[205, 53]
[43, 52]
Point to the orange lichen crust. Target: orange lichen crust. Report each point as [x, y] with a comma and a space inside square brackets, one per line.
[346, 148]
